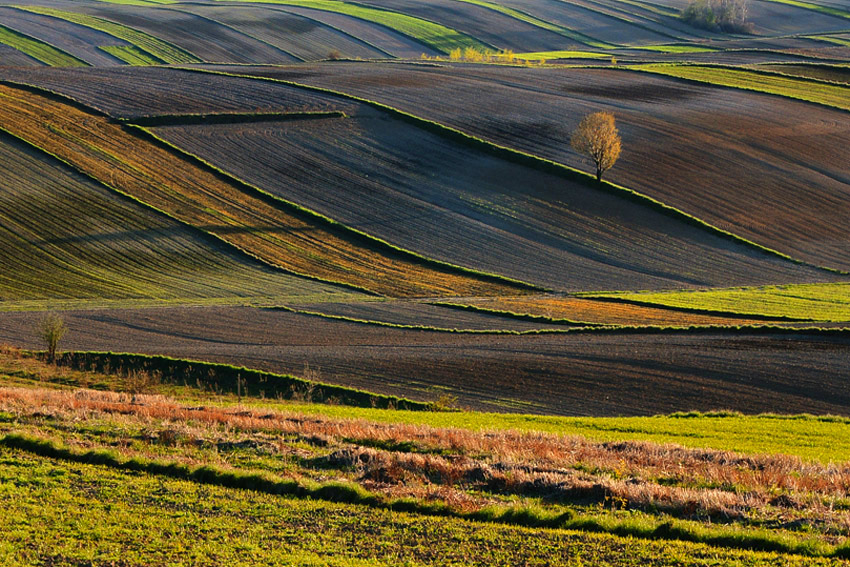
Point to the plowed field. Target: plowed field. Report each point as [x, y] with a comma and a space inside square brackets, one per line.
[681, 140]
[574, 374]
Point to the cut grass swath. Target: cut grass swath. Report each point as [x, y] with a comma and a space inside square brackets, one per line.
[436, 36]
[130, 54]
[38, 49]
[836, 96]
[163, 51]
[276, 232]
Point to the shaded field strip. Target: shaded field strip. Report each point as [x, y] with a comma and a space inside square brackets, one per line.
[431, 34]
[39, 50]
[227, 118]
[519, 316]
[531, 160]
[218, 377]
[351, 493]
[375, 322]
[274, 231]
[161, 50]
[592, 312]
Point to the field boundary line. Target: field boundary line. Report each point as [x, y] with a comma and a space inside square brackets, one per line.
[536, 162]
[345, 492]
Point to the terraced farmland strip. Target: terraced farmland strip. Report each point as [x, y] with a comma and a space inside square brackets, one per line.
[280, 235]
[790, 179]
[65, 236]
[831, 95]
[614, 374]
[441, 198]
[819, 302]
[130, 54]
[815, 7]
[163, 51]
[599, 312]
[831, 73]
[39, 50]
[439, 37]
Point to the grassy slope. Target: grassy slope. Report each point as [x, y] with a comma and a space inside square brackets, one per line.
[280, 235]
[39, 50]
[164, 52]
[439, 37]
[812, 91]
[66, 237]
[816, 7]
[130, 54]
[819, 302]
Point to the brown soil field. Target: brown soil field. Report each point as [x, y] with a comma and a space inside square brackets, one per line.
[12, 57]
[604, 312]
[789, 158]
[79, 41]
[381, 37]
[569, 374]
[496, 29]
[300, 36]
[202, 37]
[420, 314]
[442, 199]
[133, 92]
[266, 229]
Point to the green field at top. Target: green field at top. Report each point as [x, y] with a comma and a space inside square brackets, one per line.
[437, 36]
[812, 91]
[816, 7]
[826, 302]
[162, 50]
[38, 50]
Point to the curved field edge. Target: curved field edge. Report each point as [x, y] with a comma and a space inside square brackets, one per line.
[534, 161]
[353, 233]
[359, 244]
[430, 34]
[297, 531]
[38, 49]
[828, 302]
[350, 493]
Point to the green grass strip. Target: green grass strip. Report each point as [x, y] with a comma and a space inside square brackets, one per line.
[231, 378]
[547, 55]
[38, 49]
[431, 34]
[130, 54]
[828, 302]
[827, 94]
[533, 161]
[520, 316]
[654, 8]
[543, 24]
[830, 39]
[163, 51]
[351, 493]
[816, 7]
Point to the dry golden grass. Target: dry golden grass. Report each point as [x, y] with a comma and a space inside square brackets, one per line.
[602, 312]
[192, 194]
[426, 462]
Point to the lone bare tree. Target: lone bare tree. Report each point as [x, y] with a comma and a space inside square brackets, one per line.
[596, 137]
[51, 330]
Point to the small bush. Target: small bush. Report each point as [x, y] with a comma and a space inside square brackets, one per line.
[718, 15]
